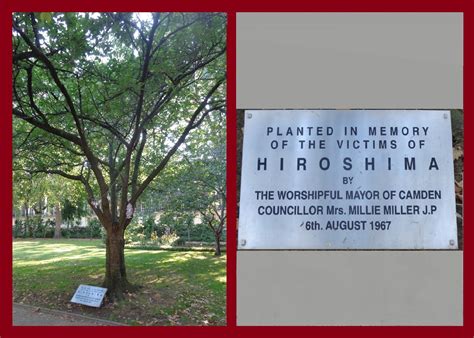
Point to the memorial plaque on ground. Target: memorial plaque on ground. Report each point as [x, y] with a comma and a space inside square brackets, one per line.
[89, 295]
[356, 179]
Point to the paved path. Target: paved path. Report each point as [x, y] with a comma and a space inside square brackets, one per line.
[26, 315]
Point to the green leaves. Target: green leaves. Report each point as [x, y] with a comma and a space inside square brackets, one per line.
[87, 85]
[46, 17]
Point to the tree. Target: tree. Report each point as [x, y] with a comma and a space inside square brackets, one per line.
[29, 198]
[206, 177]
[37, 194]
[209, 179]
[201, 173]
[107, 99]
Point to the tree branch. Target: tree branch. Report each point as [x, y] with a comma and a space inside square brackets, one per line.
[180, 140]
[136, 165]
[83, 140]
[47, 127]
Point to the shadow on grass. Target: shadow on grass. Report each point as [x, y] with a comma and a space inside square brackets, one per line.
[43, 250]
[178, 287]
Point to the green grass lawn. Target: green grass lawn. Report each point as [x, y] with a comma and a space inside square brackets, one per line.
[178, 288]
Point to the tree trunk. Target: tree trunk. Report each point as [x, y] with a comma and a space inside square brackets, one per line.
[25, 220]
[58, 220]
[217, 252]
[115, 273]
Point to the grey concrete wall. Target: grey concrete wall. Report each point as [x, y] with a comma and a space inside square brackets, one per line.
[345, 60]
[349, 60]
[349, 288]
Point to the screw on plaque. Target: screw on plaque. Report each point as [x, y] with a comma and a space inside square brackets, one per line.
[243, 242]
[451, 242]
[249, 115]
[445, 116]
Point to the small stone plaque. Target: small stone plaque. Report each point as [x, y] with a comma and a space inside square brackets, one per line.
[89, 295]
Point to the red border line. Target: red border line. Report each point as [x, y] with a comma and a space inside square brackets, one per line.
[231, 7]
[231, 171]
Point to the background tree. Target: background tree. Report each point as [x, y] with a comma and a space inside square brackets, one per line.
[44, 196]
[106, 99]
[205, 175]
[206, 179]
[199, 202]
[29, 200]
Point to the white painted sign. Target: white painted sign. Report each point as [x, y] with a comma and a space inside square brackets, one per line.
[89, 295]
[356, 179]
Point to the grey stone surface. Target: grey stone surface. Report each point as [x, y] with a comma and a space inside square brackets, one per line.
[349, 60]
[349, 288]
[26, 315]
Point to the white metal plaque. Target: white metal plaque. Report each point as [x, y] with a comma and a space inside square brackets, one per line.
[89, 295]
[355, 179]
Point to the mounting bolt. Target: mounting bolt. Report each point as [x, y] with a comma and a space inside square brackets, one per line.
[445, 116]
[249, 115]
[243, 242]
[451, 242]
